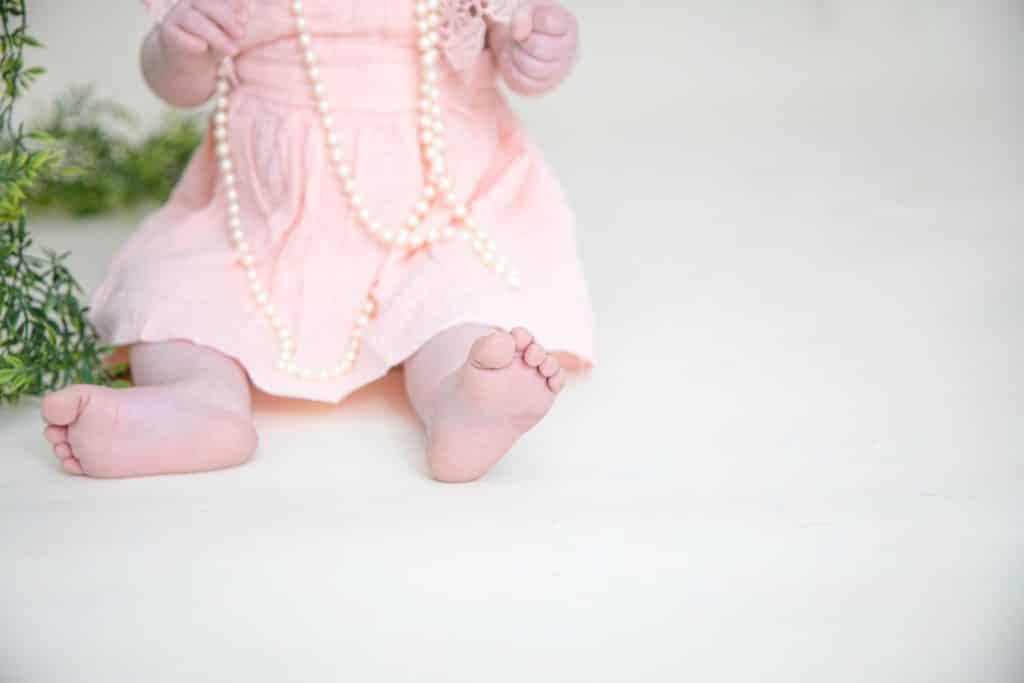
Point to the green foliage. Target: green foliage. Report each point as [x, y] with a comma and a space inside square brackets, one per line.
[105, 169]
[46, 341]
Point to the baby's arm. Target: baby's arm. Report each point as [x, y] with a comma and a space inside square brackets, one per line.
[537, 49]
[181, 54]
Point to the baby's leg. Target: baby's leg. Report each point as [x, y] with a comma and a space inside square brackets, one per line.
[477, 391]
[188, 412]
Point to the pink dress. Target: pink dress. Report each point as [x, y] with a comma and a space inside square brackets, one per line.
[177, 277]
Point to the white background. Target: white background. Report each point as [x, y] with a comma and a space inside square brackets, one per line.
[800, 458]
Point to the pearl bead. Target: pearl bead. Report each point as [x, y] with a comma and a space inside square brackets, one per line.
[429, 192]
[451, 199]
[223, 86]
[413, 221]
[364, 215]
[220, 118]
[327, 121]
[344, 171]
[375, 227]
[226, 164]
[233, 208]
[369, 307]
[309, 57]
[432, 236]
[220, 132]
[422, 207]
[229, 179]
[237, 235]
[443, 183]
[356, 199]
[276, 322]
[350, 357]
[297, 7]
[421, 9]
[300, 23]
[448, 232]
[350, 186]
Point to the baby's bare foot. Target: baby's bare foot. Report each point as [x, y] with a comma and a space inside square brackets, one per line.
[103, 432]
[506, 386]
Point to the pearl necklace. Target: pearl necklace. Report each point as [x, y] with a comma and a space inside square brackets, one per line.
[408, 238]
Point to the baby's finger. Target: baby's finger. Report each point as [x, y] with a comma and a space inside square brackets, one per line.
[522, 22]
[203, 27]
[533, 68]
[545, 48]
[552, 20]
[226, 16]
[179, 39]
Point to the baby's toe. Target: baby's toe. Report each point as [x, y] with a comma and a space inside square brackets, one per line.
[557, 381]
[535, 355]
[56, 435]
[493, 352]
[72, 466]
[62, 451]
[523, 338]
[63, 407]
[549, 367]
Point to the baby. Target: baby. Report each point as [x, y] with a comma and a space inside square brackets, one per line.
[363, 199]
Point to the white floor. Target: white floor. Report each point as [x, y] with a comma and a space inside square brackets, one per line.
[799, 460]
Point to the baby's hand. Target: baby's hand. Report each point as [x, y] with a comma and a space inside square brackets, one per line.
[537, 49]
[203, 30]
